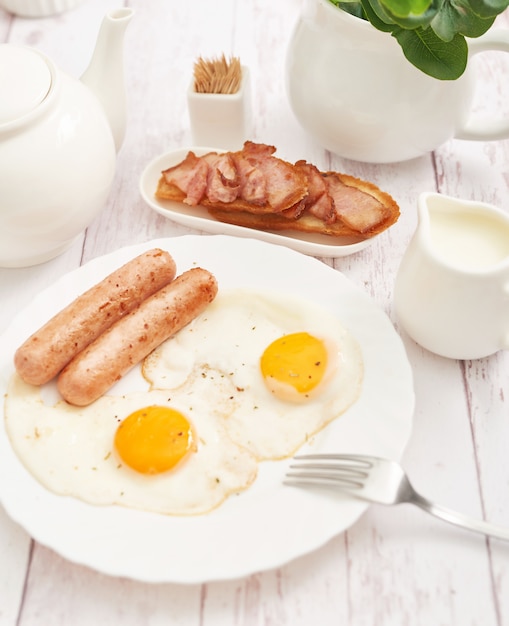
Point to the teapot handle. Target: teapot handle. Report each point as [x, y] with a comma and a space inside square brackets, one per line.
[492, 129]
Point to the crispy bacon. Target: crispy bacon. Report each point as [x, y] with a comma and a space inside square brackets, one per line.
[257, 150]
[295, 211]
[223, 183]
[361, 211]
[285, 184]
[252, 174]
[318, 202]
[253, 187]
[190, 177]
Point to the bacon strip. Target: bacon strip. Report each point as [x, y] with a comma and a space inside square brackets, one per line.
[190, 177]
[360, 211]
[254, 188]
[252, 175]
[285, 184]
[318, 202]
[223, 181]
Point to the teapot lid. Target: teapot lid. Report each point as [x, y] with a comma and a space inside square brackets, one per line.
[26, 80]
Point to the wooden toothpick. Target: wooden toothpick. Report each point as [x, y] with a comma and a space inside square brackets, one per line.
[217, 75]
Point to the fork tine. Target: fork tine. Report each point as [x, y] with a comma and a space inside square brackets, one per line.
[345, 470]
[315, 477]
[362, 460]
[339, 470]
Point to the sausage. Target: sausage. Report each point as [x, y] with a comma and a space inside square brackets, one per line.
[101, 364]
[50, 348]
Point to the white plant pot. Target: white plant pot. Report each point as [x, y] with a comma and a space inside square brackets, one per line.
[351, 87]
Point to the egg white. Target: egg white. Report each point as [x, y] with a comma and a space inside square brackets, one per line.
[70, 449]
[210, 371]
[229, 339]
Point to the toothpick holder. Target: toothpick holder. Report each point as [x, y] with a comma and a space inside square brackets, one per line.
[221, 120]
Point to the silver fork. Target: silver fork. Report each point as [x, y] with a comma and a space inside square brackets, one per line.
[377, 480]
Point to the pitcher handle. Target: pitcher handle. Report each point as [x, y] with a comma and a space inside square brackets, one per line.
[484, 129]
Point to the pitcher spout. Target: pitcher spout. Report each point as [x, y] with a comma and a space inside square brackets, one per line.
[105, 73]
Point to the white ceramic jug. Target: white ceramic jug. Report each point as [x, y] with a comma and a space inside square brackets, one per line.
[350, 86]
[58, 143]
[452, 287]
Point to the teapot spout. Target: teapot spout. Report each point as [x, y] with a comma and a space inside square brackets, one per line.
[105, 73]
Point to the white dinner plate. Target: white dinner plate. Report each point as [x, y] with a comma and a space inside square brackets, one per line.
[198, 217]
[270, 523]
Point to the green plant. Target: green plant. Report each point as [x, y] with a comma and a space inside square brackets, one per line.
[430, 32]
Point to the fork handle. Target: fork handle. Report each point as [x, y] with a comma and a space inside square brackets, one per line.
[470, 523]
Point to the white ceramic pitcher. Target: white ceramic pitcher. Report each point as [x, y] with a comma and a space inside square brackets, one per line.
[452, 287]
[350, 86]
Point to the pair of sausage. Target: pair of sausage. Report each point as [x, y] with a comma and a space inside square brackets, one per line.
[110, 328]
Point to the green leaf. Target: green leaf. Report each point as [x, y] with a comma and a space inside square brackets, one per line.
[455, 18]
[405, 8]
[487, 8]
[431, 33]
[354, 8]
[437, 58]
[382, 8]
[378, 18]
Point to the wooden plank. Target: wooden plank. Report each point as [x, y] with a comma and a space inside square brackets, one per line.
[396, 565]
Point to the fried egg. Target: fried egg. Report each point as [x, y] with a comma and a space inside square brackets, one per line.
[250, 379]
[143, 450]
[291, 365]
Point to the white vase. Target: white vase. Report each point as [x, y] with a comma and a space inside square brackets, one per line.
[351, 87]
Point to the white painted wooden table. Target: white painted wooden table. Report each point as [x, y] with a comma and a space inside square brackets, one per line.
[395, 566]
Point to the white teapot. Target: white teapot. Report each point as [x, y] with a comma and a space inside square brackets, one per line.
[58, 142]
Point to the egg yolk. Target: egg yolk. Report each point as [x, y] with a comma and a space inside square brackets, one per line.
[154, 439]
[294, 363]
